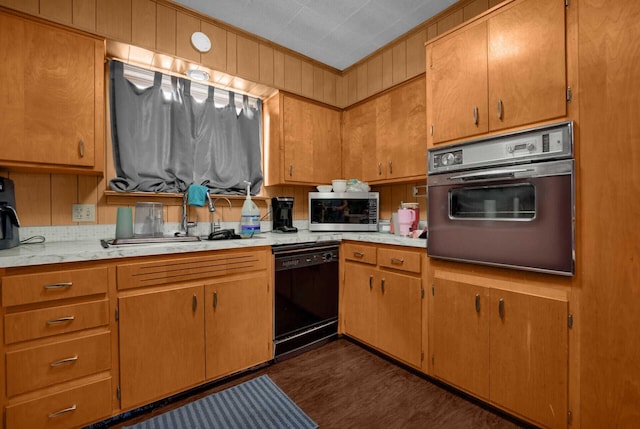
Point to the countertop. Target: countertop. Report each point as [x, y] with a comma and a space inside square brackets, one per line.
[91, 250]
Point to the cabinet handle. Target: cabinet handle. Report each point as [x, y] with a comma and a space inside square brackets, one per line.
[358, 254]
[379, 168]
[215, 300]
[370, 282]
[291, 170]
[64, 361]
[194, 303]
[475, 115]
[431, 130]
[61, 320]
[477, 303]
[64, 411]
[58, 285]
[501, 308]
[500, 109]
[382, 285]
[397, 261]
[390, 167]
[81, 148]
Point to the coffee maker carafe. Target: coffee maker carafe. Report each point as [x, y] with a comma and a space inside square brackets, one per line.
[9, 222]
[282, 214]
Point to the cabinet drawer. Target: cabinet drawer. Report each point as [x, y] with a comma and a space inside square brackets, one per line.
[70, 408]
[360, 253]
[29, 325]
[49, 286]
[404, 260]
[36, 367]
[163, 271]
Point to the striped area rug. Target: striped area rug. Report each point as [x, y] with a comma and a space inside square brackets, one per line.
[257, 403]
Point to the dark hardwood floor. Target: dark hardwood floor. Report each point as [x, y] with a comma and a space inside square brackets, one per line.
[344, 385]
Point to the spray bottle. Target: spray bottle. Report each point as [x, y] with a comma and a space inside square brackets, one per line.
[250, 218]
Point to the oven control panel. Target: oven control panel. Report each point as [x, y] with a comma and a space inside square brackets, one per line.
[532, 145]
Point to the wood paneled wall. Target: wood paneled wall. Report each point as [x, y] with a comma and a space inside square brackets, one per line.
[156, 32]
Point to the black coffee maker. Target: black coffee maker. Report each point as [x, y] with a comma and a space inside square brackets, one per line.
[9, 223]
[282, 214]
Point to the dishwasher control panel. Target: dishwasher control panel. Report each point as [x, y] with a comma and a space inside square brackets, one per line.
[305, 259]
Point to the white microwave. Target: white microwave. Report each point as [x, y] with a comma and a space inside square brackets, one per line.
[343, 211]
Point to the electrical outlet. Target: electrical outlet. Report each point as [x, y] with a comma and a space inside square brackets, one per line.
[83, 212]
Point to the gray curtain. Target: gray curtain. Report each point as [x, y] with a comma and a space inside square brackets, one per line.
[164, 146]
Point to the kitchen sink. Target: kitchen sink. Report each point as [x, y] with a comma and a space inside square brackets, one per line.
[148, 240]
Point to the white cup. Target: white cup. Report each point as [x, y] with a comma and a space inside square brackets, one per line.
[489, 208]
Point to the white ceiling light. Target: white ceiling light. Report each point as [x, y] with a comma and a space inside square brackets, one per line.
[201, 42]
[198, 74]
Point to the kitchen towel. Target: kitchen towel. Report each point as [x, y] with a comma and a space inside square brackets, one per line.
[255, 404]
[197, 195]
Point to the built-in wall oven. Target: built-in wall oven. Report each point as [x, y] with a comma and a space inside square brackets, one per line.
[506, 200]
[306, 296]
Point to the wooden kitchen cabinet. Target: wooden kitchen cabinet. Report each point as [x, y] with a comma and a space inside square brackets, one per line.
[381, 306]
[57, 348]
[503, 70]
[502, 342]
[191, 318]
[302, 141]
[52, 106]
[385, 137]
[239, 326]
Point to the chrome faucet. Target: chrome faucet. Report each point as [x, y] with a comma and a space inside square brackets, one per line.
[212, 208]
[185, 225]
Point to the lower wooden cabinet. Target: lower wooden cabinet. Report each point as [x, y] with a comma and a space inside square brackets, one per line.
[504, 344]
[381, 306]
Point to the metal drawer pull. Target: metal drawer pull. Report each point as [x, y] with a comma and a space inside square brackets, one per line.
[475, 115]
[370, 282]
[61, 320]
[397, 261]
[58, 285]
[290, 170]
[500, 109]
[194, 303]
[81, 148]
[390, 167]
[61, 412]
[477, 303]
[215, 300]
[379, 168]
[501, 308]
[64, 361]
[358, 254]
[382, 285]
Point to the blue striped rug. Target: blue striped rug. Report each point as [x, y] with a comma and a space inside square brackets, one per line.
[256, 403]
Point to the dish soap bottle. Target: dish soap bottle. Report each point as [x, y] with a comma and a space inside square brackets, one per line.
[250, 217]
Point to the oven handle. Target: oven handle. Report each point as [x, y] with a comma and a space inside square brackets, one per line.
[491, 174]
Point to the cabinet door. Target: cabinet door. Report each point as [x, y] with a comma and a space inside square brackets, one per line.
[359, 135]
[239, 326]
[59, 93]
[399, 316]
[12, 64]
[161, 343]
[460, 335]
[359, 297]
[526, 63]
[529, 356]
[326, 141]
[457, 87]
[298, 148]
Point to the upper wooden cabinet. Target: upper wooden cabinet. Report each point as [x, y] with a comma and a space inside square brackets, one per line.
[504, 70]
[51, 107]
[302, 141]
[385, 137]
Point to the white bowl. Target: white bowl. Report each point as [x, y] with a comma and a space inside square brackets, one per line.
[324, 188]
[339, 185]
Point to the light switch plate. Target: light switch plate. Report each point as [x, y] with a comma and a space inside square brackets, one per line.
[83, 212]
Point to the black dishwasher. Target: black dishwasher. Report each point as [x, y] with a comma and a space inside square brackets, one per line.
[306, 296]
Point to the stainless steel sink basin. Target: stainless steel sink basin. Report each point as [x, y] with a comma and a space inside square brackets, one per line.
[148, 240]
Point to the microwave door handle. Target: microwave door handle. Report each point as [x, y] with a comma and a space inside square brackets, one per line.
[491, 174]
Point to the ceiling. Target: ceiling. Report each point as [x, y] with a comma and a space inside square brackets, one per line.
[338, 33]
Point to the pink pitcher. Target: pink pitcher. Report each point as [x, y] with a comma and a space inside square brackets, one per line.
[405, 219]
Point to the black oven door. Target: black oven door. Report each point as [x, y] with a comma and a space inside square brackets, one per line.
[519, 217]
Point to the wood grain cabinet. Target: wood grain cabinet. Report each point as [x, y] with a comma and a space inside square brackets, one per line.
[57, 346]
[504, 70]
[385, 137]
[303, 143]
[51, 106]
[190, 319]
[381, 301]
[507, 347]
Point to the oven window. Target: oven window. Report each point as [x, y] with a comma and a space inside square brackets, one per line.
[340, 211]
[500, 202]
